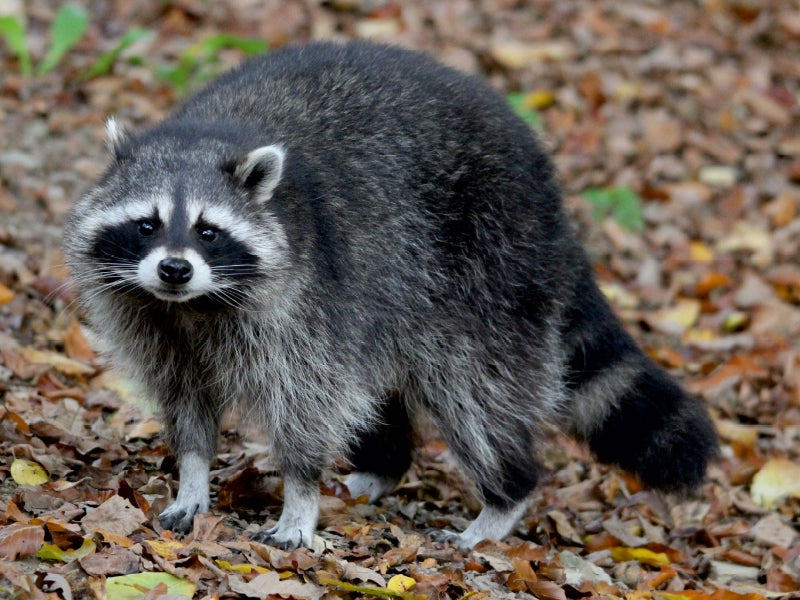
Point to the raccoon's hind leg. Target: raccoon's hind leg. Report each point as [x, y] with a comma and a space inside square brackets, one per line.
[505, 479]
[495, 446]
[382, 454]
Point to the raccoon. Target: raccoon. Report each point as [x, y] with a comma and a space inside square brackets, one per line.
[340, 238]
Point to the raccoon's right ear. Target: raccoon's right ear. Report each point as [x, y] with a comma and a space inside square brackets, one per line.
[259, 171]
[117, 138]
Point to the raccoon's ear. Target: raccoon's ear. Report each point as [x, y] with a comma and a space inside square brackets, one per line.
[259, 170]
[117, 137]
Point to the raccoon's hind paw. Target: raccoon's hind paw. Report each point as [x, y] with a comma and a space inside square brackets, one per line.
[443, 536]
[179, 518]
[369, 484]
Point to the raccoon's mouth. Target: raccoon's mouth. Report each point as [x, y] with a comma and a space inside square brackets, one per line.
[173, 294]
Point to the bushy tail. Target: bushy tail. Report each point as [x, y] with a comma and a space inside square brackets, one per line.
[629, 410]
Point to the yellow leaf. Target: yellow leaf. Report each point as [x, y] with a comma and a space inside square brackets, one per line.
[734, 431]
[400, 583]
[777, 479]
[671, 596]
[538, 99]
[677, 319]
[618, 295]
[6, 295]
[735, 321]
[27, 472]
[700, 252]
[166, 549]
[642, 555]
[53, 552]
[133, 587]
[241, 568]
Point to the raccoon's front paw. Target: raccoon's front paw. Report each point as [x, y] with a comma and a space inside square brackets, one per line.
[179, 518]
[285, 540]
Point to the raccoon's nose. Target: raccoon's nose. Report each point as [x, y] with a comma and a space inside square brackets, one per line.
[175, 270]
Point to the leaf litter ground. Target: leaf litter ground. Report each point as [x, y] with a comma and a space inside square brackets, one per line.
[692, 106]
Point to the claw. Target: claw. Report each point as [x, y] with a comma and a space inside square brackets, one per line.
[271, 537]
[178, 519]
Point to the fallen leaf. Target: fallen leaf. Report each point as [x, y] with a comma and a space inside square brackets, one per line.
[54, 552]
[676, 319]
[241, 567]
[565, 528]
[270, 584]
[547, 590]
[165, 548]
[772, 530]
[116, 515]
[779, 478]
[135, 586]
[28, 472]
[19, 539]
[400, 583]
[577, 570]
[6, 295]
[60, 363]
[642, 555]
[522, 577]
[718, 175]
[353, 571]
[111, 561]
[76, 345]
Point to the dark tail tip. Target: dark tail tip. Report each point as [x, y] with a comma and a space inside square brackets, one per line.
[658, 432]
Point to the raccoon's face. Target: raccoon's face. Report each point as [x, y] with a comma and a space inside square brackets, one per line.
[179, 229]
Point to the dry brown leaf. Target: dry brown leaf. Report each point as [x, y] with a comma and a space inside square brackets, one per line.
[270, 584]
[115, 515]
[19, 539]
[76, 345]
[60, 363]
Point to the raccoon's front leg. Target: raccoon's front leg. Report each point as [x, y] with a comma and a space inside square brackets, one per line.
[193, 494]
[191, 428]
[299, 517]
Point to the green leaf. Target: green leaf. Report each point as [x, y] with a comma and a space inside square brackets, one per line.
[105, 63]
[250, 46]
[133, 587]
[14, 34]
[621, 203]
[67, 29]
[197, 61]
[527, 114]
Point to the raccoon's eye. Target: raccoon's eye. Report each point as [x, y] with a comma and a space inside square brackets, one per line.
[146, 227]
[208, 234]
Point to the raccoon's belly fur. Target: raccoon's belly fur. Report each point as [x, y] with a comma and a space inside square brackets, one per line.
[342, 238]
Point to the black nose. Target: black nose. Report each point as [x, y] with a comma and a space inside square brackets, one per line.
[175, 270]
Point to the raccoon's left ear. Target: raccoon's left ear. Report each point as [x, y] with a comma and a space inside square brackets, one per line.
[259, 171]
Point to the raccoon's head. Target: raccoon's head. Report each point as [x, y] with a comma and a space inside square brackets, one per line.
[176, 218]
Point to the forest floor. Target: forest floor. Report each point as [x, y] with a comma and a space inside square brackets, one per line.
[693, 107]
